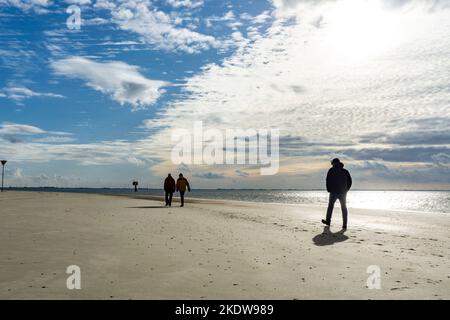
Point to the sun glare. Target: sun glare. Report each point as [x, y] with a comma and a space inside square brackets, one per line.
[359, 30]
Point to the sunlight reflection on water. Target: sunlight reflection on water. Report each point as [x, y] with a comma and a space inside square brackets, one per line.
[429, 201]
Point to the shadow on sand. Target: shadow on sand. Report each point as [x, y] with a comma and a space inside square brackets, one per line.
[148, 207]
[327, 237]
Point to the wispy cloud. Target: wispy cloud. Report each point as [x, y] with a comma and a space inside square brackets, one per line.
[25, 129]
[79, 2]
[20, 129]
[22, 93]
[191, 4]
[53, 139]
[16, 133]
[36, 6]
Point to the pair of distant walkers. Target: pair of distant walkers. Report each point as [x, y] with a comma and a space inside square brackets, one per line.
[338, 183]
[170, 187]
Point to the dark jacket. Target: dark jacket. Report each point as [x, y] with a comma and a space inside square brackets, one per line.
[338, 179]
[169, 184]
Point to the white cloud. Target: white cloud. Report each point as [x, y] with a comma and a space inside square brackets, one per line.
[79, 2]
[262, 17]
[95, 21]
[123, 82]
[105, 4]
[37, 6]
[191, 4]
[158, 28]
[228, 16]
[21, 93]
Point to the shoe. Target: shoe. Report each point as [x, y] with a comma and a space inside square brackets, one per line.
[325, 222]
[344, 227]
[182, 205]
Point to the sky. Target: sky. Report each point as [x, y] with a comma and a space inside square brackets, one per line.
[367, 81]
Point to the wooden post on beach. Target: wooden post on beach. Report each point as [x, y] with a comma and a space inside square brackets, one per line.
[3, 171]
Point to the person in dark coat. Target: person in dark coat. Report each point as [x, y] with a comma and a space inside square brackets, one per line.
[338, 183]
[169, 188]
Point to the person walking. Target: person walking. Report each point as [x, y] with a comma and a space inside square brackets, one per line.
[182, 185]
[169, 189]
[338, 184]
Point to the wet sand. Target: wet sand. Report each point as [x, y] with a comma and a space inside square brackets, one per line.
[134, 248]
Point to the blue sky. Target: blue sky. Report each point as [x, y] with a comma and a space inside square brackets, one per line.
[363, 80]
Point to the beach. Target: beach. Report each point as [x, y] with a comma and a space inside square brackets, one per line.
[135, 248]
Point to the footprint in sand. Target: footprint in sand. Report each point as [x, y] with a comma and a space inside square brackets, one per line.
[401, 288]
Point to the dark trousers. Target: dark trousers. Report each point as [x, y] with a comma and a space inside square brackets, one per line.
[343, 200]
[169, 195]
[182, 197]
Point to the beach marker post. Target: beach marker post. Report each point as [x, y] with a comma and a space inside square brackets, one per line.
[3, 171]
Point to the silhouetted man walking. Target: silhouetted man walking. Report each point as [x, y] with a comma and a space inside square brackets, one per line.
[169, 188]
[339, 182]
[182, 184]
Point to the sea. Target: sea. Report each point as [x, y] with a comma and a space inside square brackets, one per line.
[422, 201]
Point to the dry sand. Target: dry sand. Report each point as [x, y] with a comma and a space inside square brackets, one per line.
[136, 249]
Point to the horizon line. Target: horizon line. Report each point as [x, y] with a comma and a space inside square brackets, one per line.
[268, 189]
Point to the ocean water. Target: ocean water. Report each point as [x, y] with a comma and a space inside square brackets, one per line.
[428, 201]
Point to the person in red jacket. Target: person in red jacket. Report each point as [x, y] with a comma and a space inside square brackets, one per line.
[338, 183]
[169, 188]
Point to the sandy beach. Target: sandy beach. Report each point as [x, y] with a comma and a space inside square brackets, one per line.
[134, 248]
